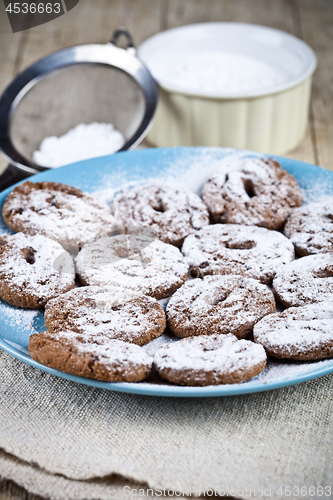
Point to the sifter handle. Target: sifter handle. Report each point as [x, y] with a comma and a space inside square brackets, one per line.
[123, 31]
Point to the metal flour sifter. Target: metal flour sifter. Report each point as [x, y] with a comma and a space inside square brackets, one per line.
[81, 84]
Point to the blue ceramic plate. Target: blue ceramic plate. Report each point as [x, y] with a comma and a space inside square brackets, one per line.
[188, 167]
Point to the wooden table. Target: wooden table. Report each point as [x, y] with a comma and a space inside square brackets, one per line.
[94, 21]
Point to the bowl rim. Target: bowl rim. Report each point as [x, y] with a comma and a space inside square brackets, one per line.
[293, 82]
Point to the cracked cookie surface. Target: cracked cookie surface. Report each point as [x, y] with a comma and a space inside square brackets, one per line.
[306, 280]
[33, 270]
[157, 270]
[310, 227]
[219, 305]
[210, 360]
[300, 333]
[251, 191]
[58, 211]
[108, 361]
[173, 213]
[251, 251]
[107, 312]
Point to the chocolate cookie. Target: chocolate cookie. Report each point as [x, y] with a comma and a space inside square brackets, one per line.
[33, 270]
[310, 227]
[254, 252]
[60, 212]
[299, 333]
[110, 312]
[174, 213]
[209, 360]
[158, 270]
[110, 361]
[219, 304]
[306, 280]
[253, 192]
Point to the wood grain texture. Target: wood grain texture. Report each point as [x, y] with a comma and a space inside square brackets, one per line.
[10, 47]
[94, 21]
[274, 13]
[316, 19]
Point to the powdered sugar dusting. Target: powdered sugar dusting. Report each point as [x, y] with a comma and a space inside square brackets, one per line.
[156, 271]
[219, 304]
[34, 268]
[166, 338]
[253, 192]
[190, 169]
[306, 280]
[218, 355]
[173, 212]
[298, 332]
[65, 217]
[113, 351]
[19, 318]
[106, 312]
[218, 72]
[17, 324]
[251, 251]
[310, 227]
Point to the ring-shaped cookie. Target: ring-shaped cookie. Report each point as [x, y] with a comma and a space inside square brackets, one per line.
[174, 213]
[33, 270]
[60, 212]
[110, 361]
[254, 252]
[251, 191]
[219, 305]
[209, 360]
[157, 270]
[300, 333]
[306, 280]
[310, 227]
[109, 312]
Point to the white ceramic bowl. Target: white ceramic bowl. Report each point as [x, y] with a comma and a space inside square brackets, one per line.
[271, 120]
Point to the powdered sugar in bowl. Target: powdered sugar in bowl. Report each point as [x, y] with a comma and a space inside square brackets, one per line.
[231, 85]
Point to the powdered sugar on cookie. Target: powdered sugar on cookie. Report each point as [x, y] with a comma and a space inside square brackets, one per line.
[158, 270]
[310, 227]
[250, 251]
[33, 269]
[109, 361]
[219, 304]
[306, 280]
[300, 333]
[107, 312]
[173, 213]
[251, 191]
[210, 360]
[58, 211]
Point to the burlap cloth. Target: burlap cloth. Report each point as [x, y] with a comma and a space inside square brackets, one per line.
[69, 441]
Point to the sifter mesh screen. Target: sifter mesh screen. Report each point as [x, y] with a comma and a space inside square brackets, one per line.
[81, 93]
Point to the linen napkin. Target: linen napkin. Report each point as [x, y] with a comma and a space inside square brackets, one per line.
[65, 440]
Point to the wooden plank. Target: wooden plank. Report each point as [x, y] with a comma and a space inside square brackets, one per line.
[317, 30]
[141, 17]
[274, 13]
[10, 44]
[9, 47]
